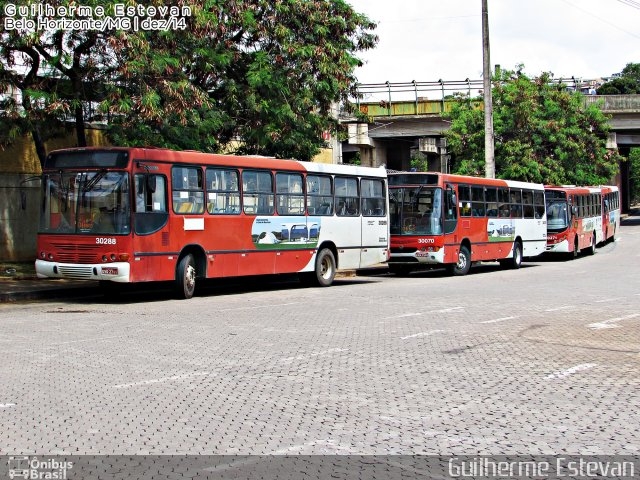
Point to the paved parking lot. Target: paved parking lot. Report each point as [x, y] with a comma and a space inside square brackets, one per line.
[545, 359]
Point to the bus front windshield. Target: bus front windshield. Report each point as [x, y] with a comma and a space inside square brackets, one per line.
[86, 202]
[557, 215]
[415, 210]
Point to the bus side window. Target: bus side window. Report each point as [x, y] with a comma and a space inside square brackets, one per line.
[539, 205]
[187, 190]
[319, 195]
[516, 203]
[347, 198]
[464, 196]
[503, 203]
[373, 198]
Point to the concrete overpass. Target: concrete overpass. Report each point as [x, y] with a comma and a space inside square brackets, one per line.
[396, 127]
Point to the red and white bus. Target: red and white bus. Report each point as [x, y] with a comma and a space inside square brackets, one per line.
[610, 212]
[574, 219]
[580, 218]
[121, 215]
[455, 220]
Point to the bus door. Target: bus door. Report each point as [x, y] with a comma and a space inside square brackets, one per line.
[150, 225]
[374, 220]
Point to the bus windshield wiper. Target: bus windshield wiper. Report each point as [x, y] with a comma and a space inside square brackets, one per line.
[92, 183]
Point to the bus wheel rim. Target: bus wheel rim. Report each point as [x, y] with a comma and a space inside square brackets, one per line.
[325, 267]
[462, 261]
[190, 276]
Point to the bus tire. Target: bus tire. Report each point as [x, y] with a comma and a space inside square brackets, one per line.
[400, 270]
[576, 249]
[515, 262]
[463, 265]
[592, 248]
[185, 284]
[325, 270]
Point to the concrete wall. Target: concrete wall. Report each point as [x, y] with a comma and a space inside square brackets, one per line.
[19, 214]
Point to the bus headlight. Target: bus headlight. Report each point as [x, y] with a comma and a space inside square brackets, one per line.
[51, 256]
[104, 258]
[113, 257]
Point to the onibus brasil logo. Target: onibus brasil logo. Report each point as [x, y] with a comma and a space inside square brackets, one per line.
[36, 469]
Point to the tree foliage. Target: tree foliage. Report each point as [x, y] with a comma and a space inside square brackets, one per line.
[627, 83]
[260, 75]
[542, 134]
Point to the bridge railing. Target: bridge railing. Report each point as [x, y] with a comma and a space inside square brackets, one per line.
[436, 98]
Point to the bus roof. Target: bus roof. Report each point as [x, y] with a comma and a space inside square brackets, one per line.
[238, 161]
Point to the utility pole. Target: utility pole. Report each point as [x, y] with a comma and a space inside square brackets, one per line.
[489, 158]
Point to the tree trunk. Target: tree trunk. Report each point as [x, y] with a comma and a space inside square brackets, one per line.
[79, 113]
[39, 144]
[80, 133]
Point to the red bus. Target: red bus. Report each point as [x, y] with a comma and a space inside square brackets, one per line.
[575, 219]
[610, 212]
[453, 220]
[121, 215]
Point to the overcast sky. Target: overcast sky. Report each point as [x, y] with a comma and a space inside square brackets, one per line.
[427, 40]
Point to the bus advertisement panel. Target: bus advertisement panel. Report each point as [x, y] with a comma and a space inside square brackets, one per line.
[121, 215]
[454, 220]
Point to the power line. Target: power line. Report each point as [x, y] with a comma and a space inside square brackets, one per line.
[602, 19]
[630, 3]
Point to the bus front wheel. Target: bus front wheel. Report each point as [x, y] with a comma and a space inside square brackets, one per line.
[185, 284]
[462, 266]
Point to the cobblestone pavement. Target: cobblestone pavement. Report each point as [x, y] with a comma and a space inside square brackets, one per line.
[544, 359]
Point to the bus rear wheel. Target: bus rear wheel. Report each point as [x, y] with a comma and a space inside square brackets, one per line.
[325, 270]
[185, 284]
[515, 261]
[463, 265]
[592, 248]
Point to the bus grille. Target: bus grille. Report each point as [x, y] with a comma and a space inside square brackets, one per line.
[76, 272]
[67, 253]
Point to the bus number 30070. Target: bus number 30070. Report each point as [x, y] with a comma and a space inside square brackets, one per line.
[105, 241]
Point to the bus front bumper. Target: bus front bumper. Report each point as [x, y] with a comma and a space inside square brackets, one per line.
[419, 257]
[560, 247]
[115, 272]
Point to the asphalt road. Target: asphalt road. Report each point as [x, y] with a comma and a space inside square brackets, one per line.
[545, 359]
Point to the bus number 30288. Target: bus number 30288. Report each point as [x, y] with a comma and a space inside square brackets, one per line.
[105, 241]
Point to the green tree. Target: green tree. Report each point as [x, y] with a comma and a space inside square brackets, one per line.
[542, 134]
[627, 83]
[260, 75]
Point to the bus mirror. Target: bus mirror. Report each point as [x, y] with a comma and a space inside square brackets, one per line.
[151, 183]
